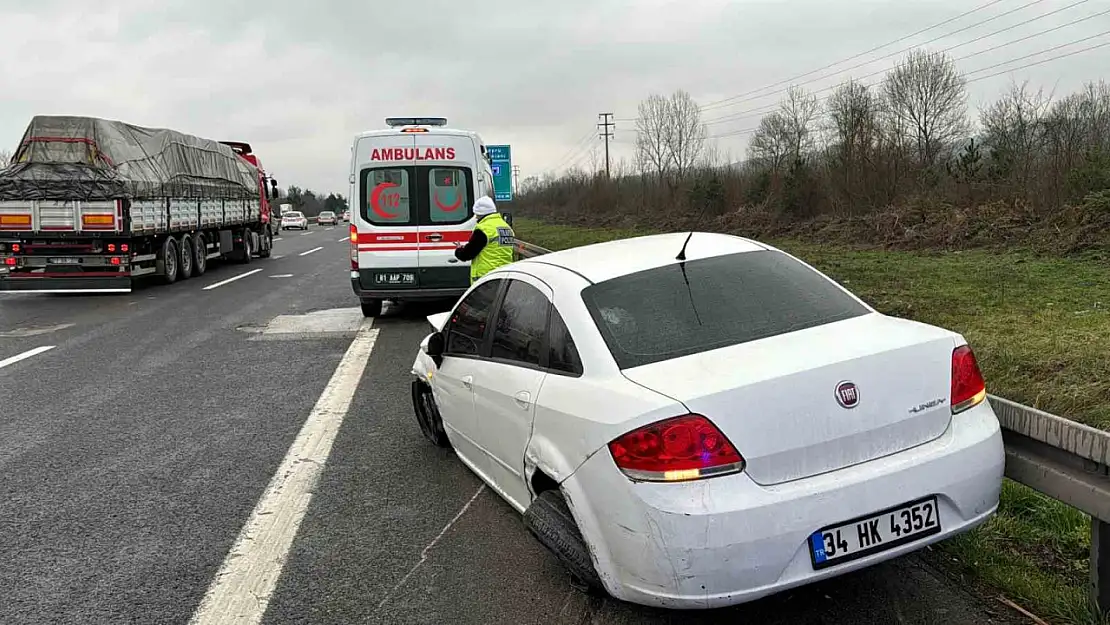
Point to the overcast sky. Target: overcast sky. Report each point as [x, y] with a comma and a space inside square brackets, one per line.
[297, 79]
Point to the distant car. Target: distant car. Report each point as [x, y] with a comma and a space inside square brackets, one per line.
[327, 218]
[294, 219]
[705, 428]
[346, 215]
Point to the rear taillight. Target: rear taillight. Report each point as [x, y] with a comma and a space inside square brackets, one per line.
[968, 387]
[9, 262]
[354, 235]
[682, 448]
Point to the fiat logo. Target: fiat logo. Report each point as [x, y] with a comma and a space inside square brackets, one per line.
[847, 395]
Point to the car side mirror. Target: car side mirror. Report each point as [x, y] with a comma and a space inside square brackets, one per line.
[435, 345]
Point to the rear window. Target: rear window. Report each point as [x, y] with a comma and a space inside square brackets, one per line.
[423, 195]
[660, 313]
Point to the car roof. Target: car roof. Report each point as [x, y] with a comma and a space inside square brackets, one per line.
[603, 261]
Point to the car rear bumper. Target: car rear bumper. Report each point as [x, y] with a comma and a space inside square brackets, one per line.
[727, 540]
[410, 295]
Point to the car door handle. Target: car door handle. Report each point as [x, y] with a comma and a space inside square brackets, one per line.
[523, 399]
[468, 381]
[434, 237]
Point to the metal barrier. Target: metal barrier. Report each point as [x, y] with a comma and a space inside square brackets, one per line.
[1065, 460]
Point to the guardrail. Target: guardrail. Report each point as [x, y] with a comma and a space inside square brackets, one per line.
[1065, 460]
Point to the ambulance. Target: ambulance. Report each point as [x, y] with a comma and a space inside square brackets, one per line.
[412, 189]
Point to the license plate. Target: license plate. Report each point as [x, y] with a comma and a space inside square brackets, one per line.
[396, 278]
[65, 261]
[871, 534]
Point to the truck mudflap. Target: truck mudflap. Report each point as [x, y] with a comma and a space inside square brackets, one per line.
[85, 284]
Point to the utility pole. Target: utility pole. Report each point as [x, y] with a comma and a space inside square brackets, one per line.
[606, 134]
[516, 178]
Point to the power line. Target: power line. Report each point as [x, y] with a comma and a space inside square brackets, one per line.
[977, 79]
[572, 151]
[764, 109]
[851, 58]
[737, 99]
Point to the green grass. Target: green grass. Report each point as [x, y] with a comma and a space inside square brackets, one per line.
[1040, 327]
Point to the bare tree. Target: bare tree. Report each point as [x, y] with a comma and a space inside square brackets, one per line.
[927, 98]
[770, 146]
[800, 111]
[652, 126]
[5, 159]
[1014, 131]
[686, 135]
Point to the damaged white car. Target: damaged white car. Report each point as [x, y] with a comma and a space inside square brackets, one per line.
[699, 420]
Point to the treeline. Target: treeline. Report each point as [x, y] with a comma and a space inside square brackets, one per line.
[900, 162]
[311, 204]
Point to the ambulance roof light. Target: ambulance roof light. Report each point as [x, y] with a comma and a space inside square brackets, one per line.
[394, 122]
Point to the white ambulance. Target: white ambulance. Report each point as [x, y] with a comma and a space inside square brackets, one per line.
[412, 189]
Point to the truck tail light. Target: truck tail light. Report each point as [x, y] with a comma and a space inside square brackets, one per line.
[678, 449]
[10, 262]
[968, 387]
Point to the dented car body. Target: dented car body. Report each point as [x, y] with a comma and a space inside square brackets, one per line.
[720, 426]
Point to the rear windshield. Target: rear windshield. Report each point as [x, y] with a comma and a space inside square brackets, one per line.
[327, 214]
[422, 195]
[659, 314]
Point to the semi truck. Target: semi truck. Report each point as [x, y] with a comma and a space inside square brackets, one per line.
[91, 205]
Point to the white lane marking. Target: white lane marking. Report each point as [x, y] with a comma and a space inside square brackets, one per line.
[242, 589]
[305, 233]
[315, 249]
[343, 239]
[277, 257]
[277, 238]
[430, 546]
[230, 280]
[330, 229]
[25, 355]
[282, 275]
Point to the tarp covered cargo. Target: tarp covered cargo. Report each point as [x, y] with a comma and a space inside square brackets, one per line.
[87, 158]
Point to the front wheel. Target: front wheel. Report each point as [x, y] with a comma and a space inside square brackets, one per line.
[427, 414]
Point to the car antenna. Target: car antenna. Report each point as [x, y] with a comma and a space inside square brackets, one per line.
[682, 253]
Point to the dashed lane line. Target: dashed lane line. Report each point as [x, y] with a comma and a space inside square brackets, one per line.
[231, 279]
[25, 355]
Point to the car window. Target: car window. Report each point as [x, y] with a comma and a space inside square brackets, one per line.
[521, 324]
[467, 326]
[386, 196]
[562, 355]
[686, 308]
[449, 190]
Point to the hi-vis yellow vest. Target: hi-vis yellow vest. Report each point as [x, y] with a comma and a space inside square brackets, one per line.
[500, 245]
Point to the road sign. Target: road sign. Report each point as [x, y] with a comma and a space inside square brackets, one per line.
[500, 157]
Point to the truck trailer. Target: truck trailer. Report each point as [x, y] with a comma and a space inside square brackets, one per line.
[90, 205]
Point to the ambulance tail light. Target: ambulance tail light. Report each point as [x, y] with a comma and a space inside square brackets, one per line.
[354, 235]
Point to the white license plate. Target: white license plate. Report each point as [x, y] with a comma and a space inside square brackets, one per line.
[65, 261]
[396, 278]
[871, 534]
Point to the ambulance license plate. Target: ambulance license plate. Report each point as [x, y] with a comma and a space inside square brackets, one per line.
[871, 534]
[395, 278]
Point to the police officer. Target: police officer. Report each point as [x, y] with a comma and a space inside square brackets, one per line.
[491, 245]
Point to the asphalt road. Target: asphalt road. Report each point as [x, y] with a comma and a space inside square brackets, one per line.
[135, 449]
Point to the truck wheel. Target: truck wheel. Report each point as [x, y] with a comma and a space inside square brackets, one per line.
[186, 257]
[267, 245]
[371, 307]
[427, 414]
[200, 258]
[169, 260]
[247, 254]
[549, 519]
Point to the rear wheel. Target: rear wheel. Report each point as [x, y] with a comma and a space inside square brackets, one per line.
[200, 256]
[427, 414]
[186, 257]
[549, 519]
[371, 307]
[267, 244]
[169, 257]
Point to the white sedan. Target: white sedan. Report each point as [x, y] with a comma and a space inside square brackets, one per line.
[703, 432]
[294, 219]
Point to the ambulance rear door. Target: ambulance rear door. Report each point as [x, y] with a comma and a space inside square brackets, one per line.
[447, 187]
[388, 212]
